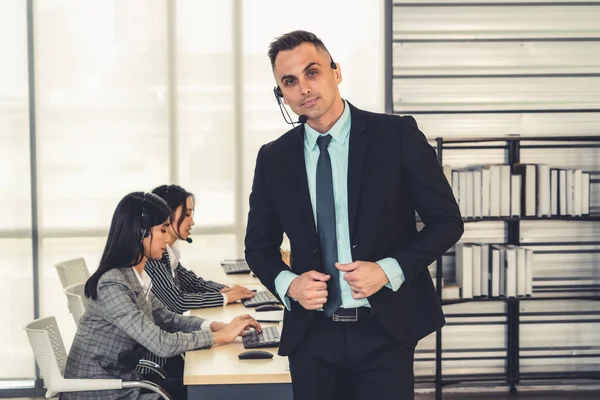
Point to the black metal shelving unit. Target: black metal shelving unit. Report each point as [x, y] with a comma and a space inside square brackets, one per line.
[512, 376]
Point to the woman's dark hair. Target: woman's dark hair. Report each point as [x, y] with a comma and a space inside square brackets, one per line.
[132, 221]
[175, 196]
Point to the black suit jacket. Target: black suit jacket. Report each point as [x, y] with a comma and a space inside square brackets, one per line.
[392, 171]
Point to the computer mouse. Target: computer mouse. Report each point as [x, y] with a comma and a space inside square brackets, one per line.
[268, 307]
[255, 355]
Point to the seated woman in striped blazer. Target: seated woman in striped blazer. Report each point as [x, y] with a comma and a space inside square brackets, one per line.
[178, 288]
[123, 319]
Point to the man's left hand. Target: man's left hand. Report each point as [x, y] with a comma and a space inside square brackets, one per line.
[365, 278]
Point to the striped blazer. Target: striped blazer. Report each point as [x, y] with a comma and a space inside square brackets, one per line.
[119, 328]
[186, 291]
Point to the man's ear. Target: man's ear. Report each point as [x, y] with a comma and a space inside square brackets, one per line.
[338, 73]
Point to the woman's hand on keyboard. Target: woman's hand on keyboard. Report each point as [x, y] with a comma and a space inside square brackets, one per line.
[236, 328]
[236, 293]
[216, 326]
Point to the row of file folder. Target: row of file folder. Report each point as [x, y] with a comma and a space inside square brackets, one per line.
[532, 190]
[484, 270]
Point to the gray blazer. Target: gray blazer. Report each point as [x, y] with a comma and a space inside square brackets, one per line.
[117, 330]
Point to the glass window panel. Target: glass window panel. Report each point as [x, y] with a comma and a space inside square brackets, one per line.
[205, 116]
[16, 297]
[101, 106]
[15, 196]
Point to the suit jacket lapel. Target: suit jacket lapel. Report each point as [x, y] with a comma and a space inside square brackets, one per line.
[297, 165]
[359, 142]
[141, 301]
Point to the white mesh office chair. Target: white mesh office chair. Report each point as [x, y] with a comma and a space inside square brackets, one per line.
[72, 271]
[76, 299]
[51, 357]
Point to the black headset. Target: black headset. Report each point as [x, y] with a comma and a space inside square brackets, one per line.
[144, 232]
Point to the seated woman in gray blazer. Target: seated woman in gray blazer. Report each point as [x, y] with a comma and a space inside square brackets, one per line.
[123, 319]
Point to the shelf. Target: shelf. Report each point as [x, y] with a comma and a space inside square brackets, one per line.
[534, 298]
[516, 138]
[552, 218]
[510, 219]
[456, 379]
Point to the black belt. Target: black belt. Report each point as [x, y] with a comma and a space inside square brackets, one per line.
[352, 314]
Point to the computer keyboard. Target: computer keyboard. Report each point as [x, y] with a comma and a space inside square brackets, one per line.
[269, 337]
[260, 299]
[235, 267]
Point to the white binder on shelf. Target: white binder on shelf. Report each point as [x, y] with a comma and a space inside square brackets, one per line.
[485, 270]
[485, 192]
[496, 265]
[543, 190]
[511, 271]
[476, 249]
[585, 200]
[505, 182]
[563, 192]
[494, 190]
[515, 196]
[521, 272]
[554, 191]
[464, 269]
[529, 272]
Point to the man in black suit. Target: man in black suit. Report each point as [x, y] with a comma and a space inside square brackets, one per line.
[344, 187]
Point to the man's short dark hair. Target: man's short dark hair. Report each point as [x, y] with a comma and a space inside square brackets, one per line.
[292, 40]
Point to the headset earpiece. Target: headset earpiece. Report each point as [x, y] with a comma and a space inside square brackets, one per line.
[144, 232]
[333, 64]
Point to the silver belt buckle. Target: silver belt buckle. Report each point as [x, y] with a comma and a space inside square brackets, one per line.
[345, 318]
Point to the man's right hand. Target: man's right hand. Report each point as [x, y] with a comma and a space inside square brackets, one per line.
[310, 289]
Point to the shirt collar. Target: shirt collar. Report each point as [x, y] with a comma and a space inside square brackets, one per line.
[144, 280]
[339, 131]
[174, 256]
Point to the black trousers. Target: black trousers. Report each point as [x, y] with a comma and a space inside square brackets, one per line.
[173, 385]
[351, 360]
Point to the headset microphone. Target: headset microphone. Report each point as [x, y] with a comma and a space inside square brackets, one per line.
[189, 240]
[284, 113]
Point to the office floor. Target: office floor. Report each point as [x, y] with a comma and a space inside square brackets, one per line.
[496, 396]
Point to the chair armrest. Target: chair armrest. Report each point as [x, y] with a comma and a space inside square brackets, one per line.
[154, 368]
[147, 385]
[84, 385]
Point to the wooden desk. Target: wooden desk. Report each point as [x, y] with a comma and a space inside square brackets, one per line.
[217, 373]
[214, 272]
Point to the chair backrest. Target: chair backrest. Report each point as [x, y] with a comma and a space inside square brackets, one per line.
[73, 271]
[76, 299]
[48, 349]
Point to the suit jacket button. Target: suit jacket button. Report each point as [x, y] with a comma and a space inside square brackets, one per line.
[315, 251]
